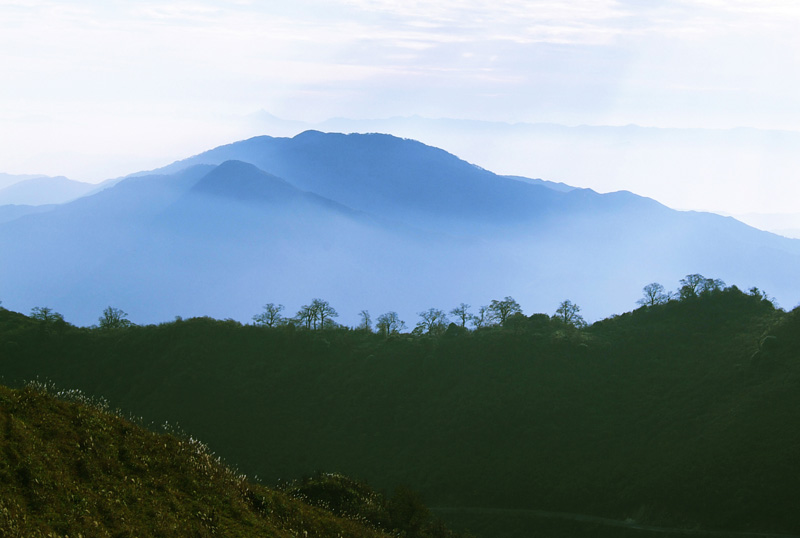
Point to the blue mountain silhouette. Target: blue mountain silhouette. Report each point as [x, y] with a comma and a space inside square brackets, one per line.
[367, 222]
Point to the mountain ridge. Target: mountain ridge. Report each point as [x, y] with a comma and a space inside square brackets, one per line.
[344, 167]
[44, 190]
[368, 222]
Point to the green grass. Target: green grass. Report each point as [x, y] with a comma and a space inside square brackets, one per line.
[71, 468]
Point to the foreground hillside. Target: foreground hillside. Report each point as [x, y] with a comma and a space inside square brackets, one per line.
[680, 414]
[69, 467]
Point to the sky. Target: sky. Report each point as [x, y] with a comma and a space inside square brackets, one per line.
[98, 89]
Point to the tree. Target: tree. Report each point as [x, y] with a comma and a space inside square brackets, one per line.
[695, 284]
[654, 294]
[46, 315]
[762, 295]
[517, 323]
[366, 321]
[389, 324]
[568, 313]
[691, 285]
[324, 313]
[461, 312]
[317, 315]
[483, 318]
[711, 285]
[500, 310]
[113, 318]
[271, 316]
[432, 321]
[48, 319]
[306, 316]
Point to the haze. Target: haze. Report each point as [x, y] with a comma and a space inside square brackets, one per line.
[93, 90]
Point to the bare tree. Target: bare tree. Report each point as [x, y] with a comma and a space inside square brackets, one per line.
[271, 316]
[654, 294]
[306, 316]
[432, 321]
[483, 317]
[48, 319]
[568, 313]
[366, 321]
[696, 284]
[46, 315]
[389, 324]
[691, 286]
[461, 312]
[501, 310]
[711, 285]
[324, 313]
[113, 318]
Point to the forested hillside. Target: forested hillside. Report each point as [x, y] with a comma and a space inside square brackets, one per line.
[678, 414]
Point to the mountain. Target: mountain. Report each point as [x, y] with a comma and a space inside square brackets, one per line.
[680, 167]
[562, 187]
[387, 176]
[12, 212]
[44, 190]
[10, 179]
[367, 222]
[202, 240]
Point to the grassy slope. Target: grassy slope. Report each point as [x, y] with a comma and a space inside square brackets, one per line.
[657, 415]
[68, 468]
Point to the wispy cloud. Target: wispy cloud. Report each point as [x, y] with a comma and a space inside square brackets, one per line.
[579, 21]
[697, 62]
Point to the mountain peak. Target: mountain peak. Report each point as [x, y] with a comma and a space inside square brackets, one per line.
[243, 181]
[248, 184]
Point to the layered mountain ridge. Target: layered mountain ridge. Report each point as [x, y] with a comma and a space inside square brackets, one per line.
[42, 190]
[367, 222]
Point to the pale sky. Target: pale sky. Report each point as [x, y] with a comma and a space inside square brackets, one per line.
[97, 89]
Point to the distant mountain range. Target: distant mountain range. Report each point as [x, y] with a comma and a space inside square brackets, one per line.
[41, 190]
[10, 179]
[366, 222]
[785, 224]
[735, 170]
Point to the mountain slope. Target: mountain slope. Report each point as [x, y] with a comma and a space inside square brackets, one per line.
[10, 179]
[381, 174]
[246, 185]
[44, 190]
[12, 212]
[207, 239]
[72, 468]
[368, 222]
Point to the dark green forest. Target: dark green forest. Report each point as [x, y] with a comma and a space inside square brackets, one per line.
[682, 413]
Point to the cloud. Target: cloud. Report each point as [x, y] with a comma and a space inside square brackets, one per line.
[673, 62]
[579, 21]
[181, 13]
